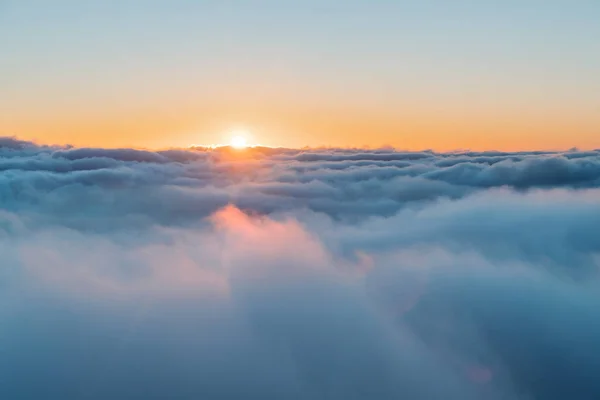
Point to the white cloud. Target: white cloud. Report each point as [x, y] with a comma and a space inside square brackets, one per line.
[298, 274]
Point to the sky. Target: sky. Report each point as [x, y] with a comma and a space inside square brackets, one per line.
[431, 74]
[417, 220]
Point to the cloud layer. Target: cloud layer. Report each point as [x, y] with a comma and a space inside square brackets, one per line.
[298, 274]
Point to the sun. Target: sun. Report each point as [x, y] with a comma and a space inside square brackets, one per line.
[239, 142]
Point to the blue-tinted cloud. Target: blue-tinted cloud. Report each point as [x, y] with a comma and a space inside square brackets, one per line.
[303, 274]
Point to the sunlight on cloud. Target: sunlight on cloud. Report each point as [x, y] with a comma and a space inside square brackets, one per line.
[298, 273]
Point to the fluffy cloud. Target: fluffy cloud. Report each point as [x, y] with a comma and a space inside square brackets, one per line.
[301, 274]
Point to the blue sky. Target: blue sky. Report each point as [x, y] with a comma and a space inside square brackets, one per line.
[89, 58]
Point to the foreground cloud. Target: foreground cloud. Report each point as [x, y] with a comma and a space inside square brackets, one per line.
[302, 274]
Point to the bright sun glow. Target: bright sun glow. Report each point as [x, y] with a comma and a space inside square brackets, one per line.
[239, 142]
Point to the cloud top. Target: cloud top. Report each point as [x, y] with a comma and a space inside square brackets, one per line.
[303, 274]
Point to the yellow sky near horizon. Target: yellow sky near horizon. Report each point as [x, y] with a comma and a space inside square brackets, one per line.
[305, 126]
[353, 73]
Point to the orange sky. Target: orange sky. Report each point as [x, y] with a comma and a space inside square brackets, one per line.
[298, 125]
[354, 73]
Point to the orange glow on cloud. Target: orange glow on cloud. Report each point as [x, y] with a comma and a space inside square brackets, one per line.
[265, 239]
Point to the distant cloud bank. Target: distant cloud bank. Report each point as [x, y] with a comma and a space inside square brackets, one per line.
[298, 274]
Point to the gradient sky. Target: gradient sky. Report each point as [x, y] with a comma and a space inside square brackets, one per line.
[513, 74]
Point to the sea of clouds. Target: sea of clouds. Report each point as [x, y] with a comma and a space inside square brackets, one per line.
[298, 274]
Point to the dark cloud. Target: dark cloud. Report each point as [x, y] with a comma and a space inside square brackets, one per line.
[298, 274]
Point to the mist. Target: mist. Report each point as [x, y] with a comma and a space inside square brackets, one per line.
[298, 274]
